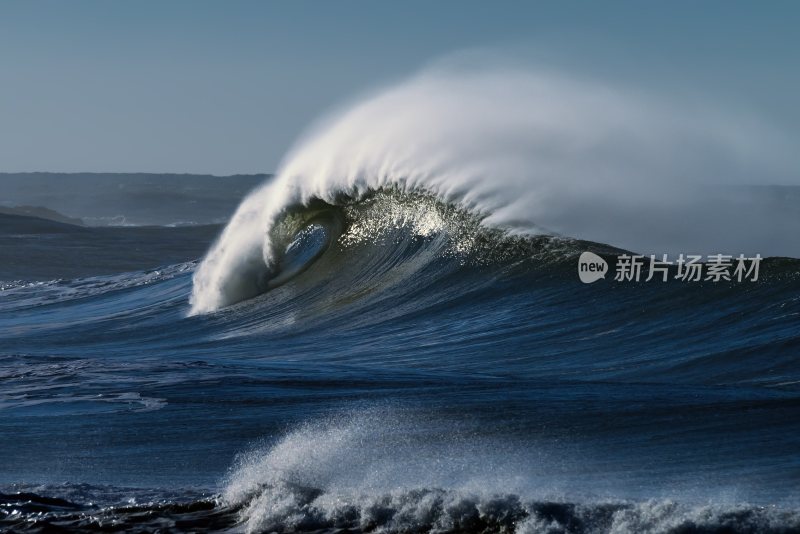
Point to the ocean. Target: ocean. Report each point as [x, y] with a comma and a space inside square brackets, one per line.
[413, 372]
[395, 333]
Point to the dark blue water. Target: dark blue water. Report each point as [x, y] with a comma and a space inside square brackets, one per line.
[400, 381]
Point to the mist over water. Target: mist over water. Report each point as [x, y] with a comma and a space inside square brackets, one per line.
[531, 152]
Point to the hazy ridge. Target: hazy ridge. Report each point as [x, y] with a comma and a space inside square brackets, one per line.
[119, 199]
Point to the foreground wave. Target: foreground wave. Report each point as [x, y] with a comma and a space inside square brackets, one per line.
[423, 510]
[343, 474]
[360, 472]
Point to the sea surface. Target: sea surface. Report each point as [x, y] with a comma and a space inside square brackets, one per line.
[400, 367]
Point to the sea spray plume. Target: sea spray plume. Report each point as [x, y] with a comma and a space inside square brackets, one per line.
[373, 466]
[525, 150]
[376, 469]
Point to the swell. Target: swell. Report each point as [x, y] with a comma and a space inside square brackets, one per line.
[406, 281]
[513, 304]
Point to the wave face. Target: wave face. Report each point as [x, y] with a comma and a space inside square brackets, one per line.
[391, 336]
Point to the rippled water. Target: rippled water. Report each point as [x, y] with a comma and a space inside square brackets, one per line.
[412, 371]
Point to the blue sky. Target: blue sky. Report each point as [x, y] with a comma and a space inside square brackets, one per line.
[225, 87]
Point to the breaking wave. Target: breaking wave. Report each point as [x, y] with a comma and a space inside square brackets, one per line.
[371, 471]
[528, 153]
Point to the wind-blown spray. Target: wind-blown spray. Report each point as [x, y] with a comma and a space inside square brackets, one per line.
[528, 152]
